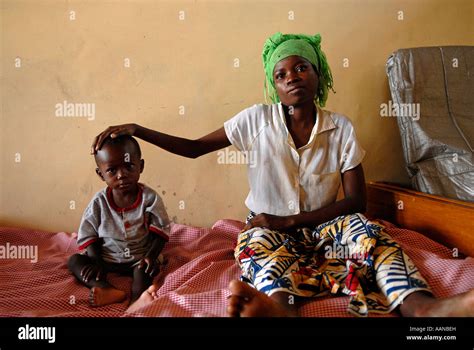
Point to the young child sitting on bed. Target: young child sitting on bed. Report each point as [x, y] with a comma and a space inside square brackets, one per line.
[123, 229]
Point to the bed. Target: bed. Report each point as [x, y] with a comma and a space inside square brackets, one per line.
[436, 233]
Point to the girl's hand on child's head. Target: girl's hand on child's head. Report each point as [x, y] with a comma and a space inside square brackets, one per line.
[90, 272]
[112, 131]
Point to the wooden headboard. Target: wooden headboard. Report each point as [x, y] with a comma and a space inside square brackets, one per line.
[448, 221]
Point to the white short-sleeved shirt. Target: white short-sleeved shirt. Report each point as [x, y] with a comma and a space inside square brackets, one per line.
[125, 231]
[284, 180]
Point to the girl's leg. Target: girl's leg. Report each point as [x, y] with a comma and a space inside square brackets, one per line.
[246, 301]
[264, 256]
[145, 298]
[392, 269]
[421, 304]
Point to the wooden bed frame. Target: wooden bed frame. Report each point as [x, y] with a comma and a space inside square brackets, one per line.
[448, 221]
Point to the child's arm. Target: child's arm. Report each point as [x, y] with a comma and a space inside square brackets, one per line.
[95, 271]
[88, 239]
[158, 228]
[354, 201]
[150, 261]
[177, 145]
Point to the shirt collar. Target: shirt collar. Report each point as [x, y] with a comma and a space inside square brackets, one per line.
[324, 122]
[110, 198]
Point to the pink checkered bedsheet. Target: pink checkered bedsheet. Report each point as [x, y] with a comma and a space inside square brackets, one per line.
[199, 267]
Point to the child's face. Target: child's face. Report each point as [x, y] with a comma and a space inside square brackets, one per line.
[296, 81]
[119, 166]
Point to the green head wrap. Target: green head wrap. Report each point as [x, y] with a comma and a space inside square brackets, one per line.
[280, 46]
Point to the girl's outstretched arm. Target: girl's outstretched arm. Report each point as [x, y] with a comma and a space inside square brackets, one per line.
[177, 145]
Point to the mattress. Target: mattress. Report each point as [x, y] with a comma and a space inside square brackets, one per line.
[199, 266]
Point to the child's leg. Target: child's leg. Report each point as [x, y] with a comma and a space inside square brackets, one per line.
[141, 281]
[77, 263]
[101, 293]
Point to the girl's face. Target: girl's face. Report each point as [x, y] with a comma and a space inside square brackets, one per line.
[296, 81]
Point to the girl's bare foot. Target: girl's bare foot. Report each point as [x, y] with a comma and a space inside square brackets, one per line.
[461, 305]
[146, 298]
[246, 301]
[100, 296]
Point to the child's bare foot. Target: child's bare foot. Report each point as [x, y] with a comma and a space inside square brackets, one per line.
[100, 296]
[146, 298]
[461, 305]
[246, 301]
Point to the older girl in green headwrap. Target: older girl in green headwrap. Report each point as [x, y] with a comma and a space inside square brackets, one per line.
[299, 240]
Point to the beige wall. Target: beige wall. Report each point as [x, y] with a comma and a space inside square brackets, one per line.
[187, 63]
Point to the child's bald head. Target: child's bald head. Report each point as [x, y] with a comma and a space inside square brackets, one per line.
[126, 143]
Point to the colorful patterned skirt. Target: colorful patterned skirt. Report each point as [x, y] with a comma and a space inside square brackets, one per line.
[349, 255]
